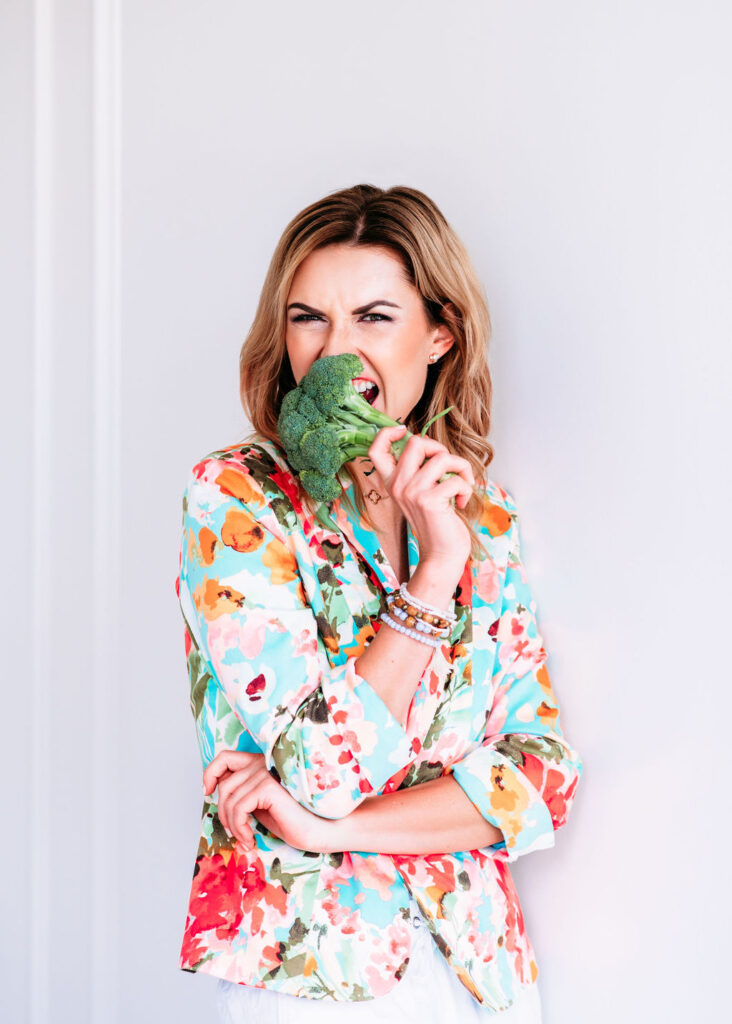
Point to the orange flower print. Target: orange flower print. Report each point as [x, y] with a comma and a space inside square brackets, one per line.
[212, 599]
[241, 531]
[546, 713]
[509, 800]
[359, 641]
[469, 983]
[280, 562]
[239, 485]
[495, 518]
[331, 644]
[207, 541]
[193, 554]
[542, 678]
[437, 895]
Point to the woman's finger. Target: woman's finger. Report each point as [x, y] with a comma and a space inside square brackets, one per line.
[380, 454]
[416, 451]
[236, 783]
[235, 779]
[269, 821]
[226, 761]
[238, 787]
[453, 487]
[240, 807]
[437, 466]
[244, 801]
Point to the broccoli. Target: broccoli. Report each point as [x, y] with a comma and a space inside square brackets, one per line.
[324, 422]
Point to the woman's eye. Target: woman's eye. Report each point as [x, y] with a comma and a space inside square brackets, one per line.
[304, 317]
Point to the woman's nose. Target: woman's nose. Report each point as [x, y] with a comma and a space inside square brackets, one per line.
[337, 341]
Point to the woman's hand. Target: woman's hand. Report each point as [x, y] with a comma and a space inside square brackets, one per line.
[412, 481]
[246, 787]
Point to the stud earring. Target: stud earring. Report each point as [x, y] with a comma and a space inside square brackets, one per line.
[433, 357]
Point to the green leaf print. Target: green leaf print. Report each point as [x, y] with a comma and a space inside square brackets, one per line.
[514, 747]
[232, 730]
[283, 753]
[286, 878]
[326, 628]
[295, 965]
[298, 931]
[333, 552]
[200, 677]
[315, 708]
[424, 772]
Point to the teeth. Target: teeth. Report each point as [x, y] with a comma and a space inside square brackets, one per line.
[363, 385]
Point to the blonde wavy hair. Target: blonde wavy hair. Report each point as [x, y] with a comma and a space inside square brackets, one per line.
[409, 224]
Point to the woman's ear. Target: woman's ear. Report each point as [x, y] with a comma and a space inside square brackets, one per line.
[444, 338]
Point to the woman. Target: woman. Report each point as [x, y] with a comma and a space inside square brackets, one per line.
[367, 783]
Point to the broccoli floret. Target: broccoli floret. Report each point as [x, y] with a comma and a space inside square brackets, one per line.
[324, 422]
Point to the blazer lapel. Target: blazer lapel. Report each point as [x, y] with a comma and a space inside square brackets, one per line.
[366, 543]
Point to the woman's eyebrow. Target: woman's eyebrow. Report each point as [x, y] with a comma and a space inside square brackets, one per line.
[361, 309]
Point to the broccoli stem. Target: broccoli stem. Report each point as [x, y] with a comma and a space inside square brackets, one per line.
[356, 442]
[356, 405]
[429, 423]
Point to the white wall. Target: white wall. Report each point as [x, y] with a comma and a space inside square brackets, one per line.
[154, 151]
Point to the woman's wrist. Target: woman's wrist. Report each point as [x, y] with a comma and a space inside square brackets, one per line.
[325, 835]
[434, 583]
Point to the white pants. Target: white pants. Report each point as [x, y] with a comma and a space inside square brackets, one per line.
[428, 993]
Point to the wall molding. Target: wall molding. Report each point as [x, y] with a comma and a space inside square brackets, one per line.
[106, 495]
[40, 844]
[50, 352]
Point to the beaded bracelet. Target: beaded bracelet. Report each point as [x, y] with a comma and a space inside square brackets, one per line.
[424, 607]
[408, 632]
[415, 613]
[412, 619]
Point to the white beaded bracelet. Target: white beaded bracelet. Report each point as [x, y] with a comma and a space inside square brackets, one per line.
[424, 607]
[422, 627]
[407, 631]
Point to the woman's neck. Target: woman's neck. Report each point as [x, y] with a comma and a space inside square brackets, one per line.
[383, 510]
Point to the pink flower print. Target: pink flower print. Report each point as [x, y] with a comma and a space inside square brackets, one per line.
[488, 581]
[388, 961]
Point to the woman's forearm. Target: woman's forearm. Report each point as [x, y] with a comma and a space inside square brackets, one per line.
[394, 662]
[431, 817]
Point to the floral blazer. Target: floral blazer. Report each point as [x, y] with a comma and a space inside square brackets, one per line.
[278, 606]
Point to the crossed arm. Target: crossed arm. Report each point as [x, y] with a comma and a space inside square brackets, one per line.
[427, 818]
[430, 817]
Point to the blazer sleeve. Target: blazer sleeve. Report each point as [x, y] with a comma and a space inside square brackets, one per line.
[325, 733]
[524, 774]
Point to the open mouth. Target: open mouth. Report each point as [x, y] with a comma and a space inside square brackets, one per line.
[366, 388]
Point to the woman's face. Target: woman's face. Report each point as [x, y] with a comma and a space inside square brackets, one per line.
[356, 299]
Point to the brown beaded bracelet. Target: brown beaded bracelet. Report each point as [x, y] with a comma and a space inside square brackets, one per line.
[432, 625]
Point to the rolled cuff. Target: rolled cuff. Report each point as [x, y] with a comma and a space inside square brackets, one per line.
[342, 748]
[507, 799]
